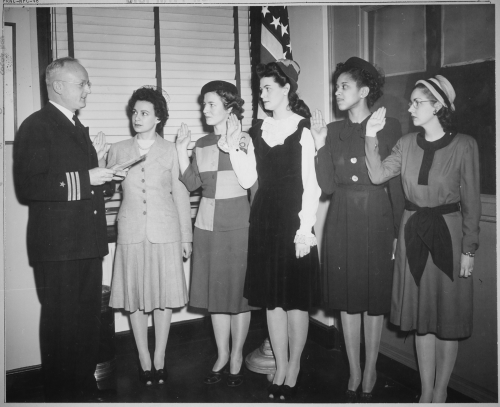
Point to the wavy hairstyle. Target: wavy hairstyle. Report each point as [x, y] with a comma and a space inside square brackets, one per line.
[363, 78]
[232, 100]
[272, 70]
[444, 115]
[154, 97]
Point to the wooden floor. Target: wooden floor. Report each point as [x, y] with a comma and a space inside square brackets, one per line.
[191, 354]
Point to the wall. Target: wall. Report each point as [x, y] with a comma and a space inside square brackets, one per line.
[22, 308]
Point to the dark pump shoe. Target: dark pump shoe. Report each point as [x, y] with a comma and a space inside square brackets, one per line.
[234, 380]
[216, 376]
[160, 376]
[288, 393]
[146, 377]
[274, 390]
[351, 396]
[365, 397]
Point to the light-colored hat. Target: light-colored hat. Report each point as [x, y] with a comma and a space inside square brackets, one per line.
[442, 90]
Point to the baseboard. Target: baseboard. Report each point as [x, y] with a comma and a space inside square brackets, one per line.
[457, 383]
[26, 369]
[328, 337]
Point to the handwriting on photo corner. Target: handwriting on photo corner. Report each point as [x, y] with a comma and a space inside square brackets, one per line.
[20, 1]
[163, 1]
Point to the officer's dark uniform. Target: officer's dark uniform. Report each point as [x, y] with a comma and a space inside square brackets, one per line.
[66, 243]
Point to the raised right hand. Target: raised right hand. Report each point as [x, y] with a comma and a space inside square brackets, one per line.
[233, 132]
[99, 176]
[318, 129]
[183, 137]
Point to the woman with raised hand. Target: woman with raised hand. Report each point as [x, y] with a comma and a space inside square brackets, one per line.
[283, 266]
[438, 237]
[362, 221]
[221, 230]
[154, 231]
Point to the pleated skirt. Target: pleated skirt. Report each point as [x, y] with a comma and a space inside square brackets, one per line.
[148, 276]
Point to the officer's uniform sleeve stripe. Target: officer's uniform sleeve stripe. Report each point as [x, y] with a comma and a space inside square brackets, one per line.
[77, 176]
[73, 186]
[68, 179]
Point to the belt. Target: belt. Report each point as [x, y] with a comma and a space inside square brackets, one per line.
[426, 231]
[349, 187]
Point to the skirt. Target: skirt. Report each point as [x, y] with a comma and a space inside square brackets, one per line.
[148, 276]
[438, 305]
[219, 269]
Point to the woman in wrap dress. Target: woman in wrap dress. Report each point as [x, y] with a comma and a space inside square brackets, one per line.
[438, 237]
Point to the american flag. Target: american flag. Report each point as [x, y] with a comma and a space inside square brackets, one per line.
[275, 34]
[274, 39]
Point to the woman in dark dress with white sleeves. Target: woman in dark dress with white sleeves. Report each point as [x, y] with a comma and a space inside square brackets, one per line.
[438, 237]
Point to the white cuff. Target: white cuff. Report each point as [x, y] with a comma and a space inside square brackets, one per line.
[308, 239]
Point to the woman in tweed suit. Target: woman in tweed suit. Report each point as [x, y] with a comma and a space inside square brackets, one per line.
[154, 231]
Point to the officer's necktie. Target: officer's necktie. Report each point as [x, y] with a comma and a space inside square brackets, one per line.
[81, 133]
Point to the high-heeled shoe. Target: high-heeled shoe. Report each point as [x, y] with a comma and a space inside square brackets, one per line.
[146, 377]
[216, 376]
[288, 393]
[234, 380]
[352, 396]
[160, 376]
[365, 397]
[274, 390]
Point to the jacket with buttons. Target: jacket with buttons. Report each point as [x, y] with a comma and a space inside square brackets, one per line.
[67, 220]
[155, 203]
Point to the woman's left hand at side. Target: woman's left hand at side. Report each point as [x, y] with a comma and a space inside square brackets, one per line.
[376, 122]
[466, 266]
[187, 249]
[233, 134]
[99, 143]
[302, 249]
[394, 245]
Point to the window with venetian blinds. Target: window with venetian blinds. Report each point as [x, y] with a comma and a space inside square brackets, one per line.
[117, 47]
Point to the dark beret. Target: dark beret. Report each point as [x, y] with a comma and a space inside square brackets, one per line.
[355, 62]
[219, 85]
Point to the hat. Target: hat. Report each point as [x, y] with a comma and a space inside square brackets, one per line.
[355, 62]
[219, 85]
[442, 90]
[291, 70]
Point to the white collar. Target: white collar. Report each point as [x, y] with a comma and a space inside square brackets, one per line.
[66, 112]
[275, 132]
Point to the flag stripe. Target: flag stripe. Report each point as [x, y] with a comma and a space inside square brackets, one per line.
[271, 44]
[266, 56]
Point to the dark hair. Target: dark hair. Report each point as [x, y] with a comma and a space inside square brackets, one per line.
[444, 115]
[156, 98]
[272, 70]
[363, 78]
[232, 100]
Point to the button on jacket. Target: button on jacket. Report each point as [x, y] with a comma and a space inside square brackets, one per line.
[155, 203]
[52, 159]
